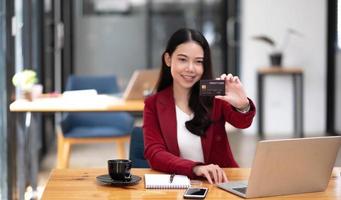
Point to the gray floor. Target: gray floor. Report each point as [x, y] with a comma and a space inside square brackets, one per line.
[96, 155]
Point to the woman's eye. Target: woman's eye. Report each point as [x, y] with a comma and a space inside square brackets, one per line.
[182, 59]
[200, 61]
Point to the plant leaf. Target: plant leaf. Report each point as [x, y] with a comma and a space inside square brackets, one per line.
[265, 39]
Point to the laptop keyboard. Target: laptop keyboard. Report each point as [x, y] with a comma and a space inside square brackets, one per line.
[241, 189]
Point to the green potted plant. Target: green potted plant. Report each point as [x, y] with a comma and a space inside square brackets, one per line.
[276, 54]
[24, 81]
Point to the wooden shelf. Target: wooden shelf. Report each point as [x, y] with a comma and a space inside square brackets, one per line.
[280, 70]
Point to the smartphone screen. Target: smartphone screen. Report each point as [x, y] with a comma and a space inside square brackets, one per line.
[195, 193]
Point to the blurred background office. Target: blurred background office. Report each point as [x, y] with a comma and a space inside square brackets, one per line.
[57, 38]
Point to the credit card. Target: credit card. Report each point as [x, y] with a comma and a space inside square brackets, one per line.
[212, 87]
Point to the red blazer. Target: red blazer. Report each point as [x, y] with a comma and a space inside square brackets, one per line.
[160, 136]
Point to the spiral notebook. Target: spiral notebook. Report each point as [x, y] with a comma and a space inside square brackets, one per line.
[161, 181]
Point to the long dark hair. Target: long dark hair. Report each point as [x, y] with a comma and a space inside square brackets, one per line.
[201, 106]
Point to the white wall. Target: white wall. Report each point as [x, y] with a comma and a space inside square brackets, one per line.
[273, 18]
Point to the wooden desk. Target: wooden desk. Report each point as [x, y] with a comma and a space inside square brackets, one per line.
[297, 75]
[98, 103]
[27, 147]
[81, 184]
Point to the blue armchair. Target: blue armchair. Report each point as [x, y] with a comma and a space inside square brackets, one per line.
[136, 151]
[93, 127]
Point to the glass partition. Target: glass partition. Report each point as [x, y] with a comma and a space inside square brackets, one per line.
[207, 16]
[3, 106]
[119, 37]
[3, 143]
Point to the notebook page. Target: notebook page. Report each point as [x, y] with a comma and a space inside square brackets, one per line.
[161, 181]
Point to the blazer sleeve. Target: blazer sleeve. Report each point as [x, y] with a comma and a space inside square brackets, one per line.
[235, 118]
[155, 150]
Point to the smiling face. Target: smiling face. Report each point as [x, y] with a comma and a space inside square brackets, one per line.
[186, 64]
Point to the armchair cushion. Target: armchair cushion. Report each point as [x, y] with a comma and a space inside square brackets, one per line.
[97, 124]
[91, 132]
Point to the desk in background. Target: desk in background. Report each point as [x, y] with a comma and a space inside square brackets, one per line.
[26, 141]
[81, 184]
[297, 77]
[98, 103]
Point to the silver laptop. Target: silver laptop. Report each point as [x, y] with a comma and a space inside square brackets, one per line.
[141, 84]
[288, 166]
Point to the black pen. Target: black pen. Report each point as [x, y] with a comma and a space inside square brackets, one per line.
[171, 178]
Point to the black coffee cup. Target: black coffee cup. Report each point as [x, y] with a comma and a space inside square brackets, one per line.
[119, 169]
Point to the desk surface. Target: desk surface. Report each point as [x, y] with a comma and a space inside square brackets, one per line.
[81, 184]
[100, 103]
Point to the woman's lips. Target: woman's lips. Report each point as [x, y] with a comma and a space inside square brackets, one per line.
[188, 77]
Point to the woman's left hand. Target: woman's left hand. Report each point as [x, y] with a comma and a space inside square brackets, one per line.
[234, 92]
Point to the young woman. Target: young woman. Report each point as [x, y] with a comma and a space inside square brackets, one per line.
[184, 133]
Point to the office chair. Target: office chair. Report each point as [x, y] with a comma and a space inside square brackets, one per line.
[136, 149]
[92, 127]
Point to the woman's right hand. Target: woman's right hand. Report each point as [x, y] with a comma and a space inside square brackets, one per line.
[213, 173]
[234, 92]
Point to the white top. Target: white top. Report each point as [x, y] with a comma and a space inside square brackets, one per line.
[189, 144]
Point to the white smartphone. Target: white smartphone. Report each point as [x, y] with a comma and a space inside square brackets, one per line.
[195, 193]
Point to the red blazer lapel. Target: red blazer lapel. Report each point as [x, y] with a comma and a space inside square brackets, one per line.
[206, 142]
[165, 106]
[207, 139]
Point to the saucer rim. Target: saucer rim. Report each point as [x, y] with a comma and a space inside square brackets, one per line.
[127, 183]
